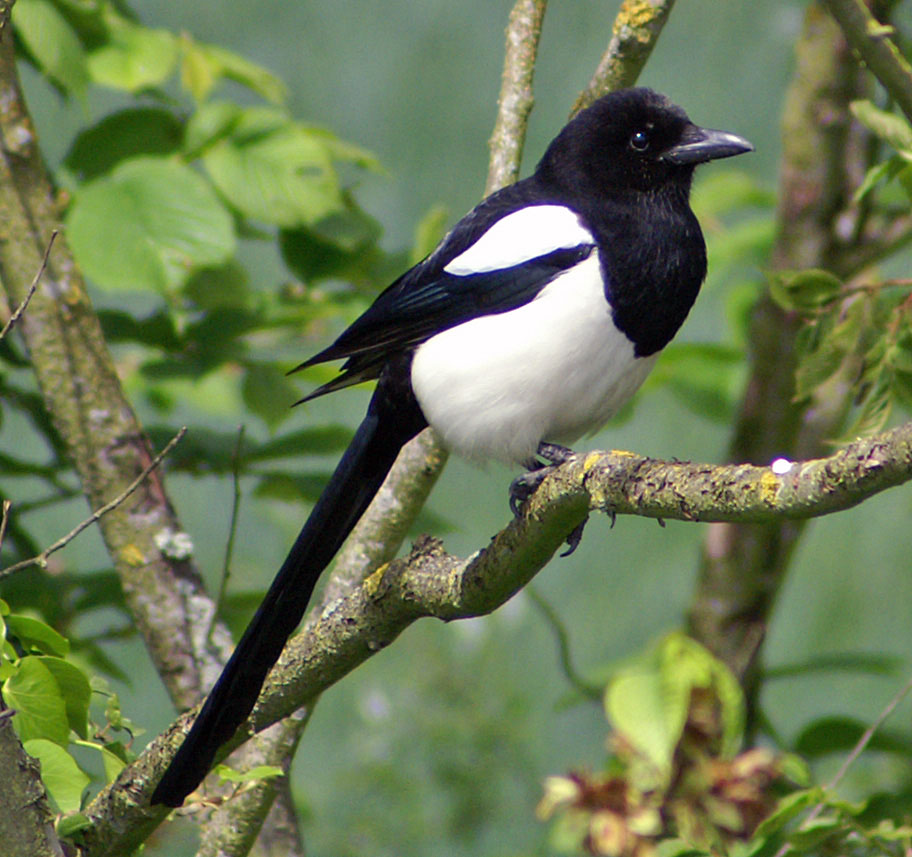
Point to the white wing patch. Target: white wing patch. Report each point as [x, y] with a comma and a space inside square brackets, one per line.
[523, 235]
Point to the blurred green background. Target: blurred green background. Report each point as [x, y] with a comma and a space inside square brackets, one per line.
[438, 745]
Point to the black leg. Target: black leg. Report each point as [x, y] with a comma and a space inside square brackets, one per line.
[524, 486]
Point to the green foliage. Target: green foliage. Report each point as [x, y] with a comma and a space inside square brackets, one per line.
[675, 782]
[856, 337]
[51, 697]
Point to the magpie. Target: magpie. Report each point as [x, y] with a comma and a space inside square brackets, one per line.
[536, 318]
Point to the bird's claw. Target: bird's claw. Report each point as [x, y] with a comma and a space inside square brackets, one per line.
[575, 537]
[524, 486]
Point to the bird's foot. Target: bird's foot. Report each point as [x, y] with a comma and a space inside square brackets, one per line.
[524, 486]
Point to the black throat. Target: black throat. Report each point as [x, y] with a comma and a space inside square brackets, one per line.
[654, 260]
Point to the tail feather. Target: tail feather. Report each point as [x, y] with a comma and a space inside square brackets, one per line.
[391, 421]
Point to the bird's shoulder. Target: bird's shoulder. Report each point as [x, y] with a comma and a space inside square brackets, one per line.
[496, 258]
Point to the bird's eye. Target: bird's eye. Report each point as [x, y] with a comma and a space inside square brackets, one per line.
[639, 140]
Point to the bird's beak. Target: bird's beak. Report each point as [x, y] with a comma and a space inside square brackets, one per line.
[704, 144]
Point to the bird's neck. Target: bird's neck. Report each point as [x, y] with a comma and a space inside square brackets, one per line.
[654, 258]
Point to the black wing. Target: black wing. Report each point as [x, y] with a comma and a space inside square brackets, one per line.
[416, 307]
[427, 299]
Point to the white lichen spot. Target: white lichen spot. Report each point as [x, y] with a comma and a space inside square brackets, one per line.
[781, 466]
[173, 544]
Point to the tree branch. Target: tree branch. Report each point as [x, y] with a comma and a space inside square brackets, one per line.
[636, 30]
[431, 583]
[742, 567]
[17, 313]
[41, 559]
[516, 99]
[88, 407]
[872, 41]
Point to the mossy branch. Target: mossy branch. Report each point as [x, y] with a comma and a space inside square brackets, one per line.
[636, 30]
[432, 583]
[87, 404]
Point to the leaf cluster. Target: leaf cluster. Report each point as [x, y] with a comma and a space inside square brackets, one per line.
[51, 695]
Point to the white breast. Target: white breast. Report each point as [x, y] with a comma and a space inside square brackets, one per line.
[554, 369]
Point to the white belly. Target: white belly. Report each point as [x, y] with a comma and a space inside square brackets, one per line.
[554, 370]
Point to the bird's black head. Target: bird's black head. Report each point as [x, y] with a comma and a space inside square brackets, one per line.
[632, 139]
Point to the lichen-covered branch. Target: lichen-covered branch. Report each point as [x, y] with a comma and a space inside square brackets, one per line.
[515, 102]
[432, 583]
[26, 817]
[636, 31]
[88, 406]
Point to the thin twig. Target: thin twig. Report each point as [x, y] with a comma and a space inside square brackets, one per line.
[41, 559]
[232, 525]
[31, 289]
[515, 100]
[4, 520]
[857, 750]
[587, 689]
[636, 31]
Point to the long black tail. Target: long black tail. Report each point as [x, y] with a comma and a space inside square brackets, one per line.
[393, 419]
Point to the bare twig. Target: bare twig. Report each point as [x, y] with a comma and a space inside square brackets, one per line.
[871, 40]
[4, 519]
[515, 101]
[17, 313]
[857, 750]
[636, 31]
[587, 689]
[232, 526]
[41, 559]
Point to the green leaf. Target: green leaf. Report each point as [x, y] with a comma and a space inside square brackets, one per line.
[804, 290]
[207, 125]
[33, 692]
[884, 171]
[122, 135]
[891, 127]
[648, 701]
[63, 778]
[788, 808]
[289, 486]
[704, 376]
[76, 691]
[268, 392]
[70, 826]
[148, 225]
[204, 66]
[35, 634]
[217, 288]
[319, 440]
[134, 57]
[274, 170]
[874, 412]
[54, 44]
[816, 832]
[112, 762]
[677, 848]
[861, 662]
